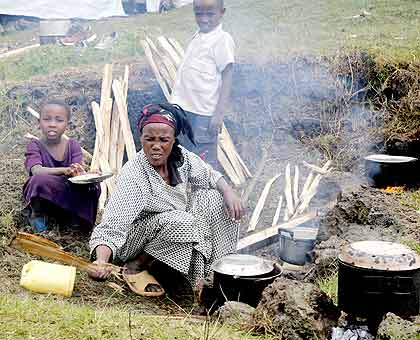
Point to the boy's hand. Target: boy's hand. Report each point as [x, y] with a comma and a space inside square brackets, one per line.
[215, 125]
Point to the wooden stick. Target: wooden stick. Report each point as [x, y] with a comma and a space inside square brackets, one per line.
[228, 143]
[106, 84]
[170, 51]
[165, 66]
[155, 69]
[288, 192]
[322, 171]
[177, 46]
[18, 51]
[96, 111]
[260, 204]
[306, 186]
[125, 124]
[228, 148]
[121, 144]
[277, 213]
[296, 186]
[88, 156]
[227, 166]
[259, 171]
[310, 194]
[262, 238]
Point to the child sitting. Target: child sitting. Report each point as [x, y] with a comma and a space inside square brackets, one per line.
[49, 162]
[204, 78]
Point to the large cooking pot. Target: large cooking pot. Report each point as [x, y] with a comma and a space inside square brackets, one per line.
[386, 170]
[297, 244]
[376, 277]
[241, 277]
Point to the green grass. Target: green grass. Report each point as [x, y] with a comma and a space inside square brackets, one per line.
[329, 285]
[264, 31]
[44, 318]
[409, 198]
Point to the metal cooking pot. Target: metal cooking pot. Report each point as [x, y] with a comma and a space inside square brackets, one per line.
[376, 277]
[297, 244]
[241, 277]
[386, 170]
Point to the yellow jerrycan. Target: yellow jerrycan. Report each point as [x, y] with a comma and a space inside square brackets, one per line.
[43, 277]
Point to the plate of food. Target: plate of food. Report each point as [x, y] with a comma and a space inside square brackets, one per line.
[90, 178]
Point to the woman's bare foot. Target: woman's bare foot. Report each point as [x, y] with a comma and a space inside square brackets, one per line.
[139, 264]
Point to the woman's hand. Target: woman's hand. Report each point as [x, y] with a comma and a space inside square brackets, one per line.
[101, 272]
[233, 204]
[74, 169]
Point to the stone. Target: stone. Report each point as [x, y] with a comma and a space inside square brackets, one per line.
[393, 327]
[236, 314]
[295, 310]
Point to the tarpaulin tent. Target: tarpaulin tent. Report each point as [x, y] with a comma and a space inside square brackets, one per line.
[63, 9]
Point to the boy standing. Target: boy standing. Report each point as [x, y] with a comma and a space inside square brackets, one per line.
[204, 79]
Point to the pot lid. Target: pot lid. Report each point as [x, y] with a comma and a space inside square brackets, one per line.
[242, 265]
[300, 233]
[389, 159]
[380, 255]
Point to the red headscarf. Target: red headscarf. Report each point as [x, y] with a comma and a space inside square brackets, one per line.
[155, 114]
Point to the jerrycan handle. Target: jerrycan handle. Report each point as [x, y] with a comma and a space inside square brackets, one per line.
[291, 233]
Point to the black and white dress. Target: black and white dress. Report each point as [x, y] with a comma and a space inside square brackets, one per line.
[184, 226]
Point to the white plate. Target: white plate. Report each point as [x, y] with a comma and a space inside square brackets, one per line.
[389, 159]
[90, 178]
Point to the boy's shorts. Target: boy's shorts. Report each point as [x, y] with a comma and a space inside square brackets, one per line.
[206, 142]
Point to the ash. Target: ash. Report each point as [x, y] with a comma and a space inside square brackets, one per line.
[351, 333]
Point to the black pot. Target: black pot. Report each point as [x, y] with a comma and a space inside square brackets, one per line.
[383, 174]
[371, 292]
[244, 289]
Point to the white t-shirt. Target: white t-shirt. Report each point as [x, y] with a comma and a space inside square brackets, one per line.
[199, 77]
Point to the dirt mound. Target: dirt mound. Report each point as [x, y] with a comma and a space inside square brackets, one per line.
[395, 328]
[295, 310]
[370, 214]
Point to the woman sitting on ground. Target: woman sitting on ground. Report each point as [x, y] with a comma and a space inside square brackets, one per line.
[168, 205]
[49, 162]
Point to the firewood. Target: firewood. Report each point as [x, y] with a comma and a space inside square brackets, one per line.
[309, 195]
[87, 155]
[155, 69]
[258, 172]
[260, 204]
[125, 124]
[164, 64]
[254, 241]
[296, 186]
[227, 166]
[306, 186]
[288, 192]
[322, 171]
[277, 213]
[228, 148]
[170, 51]
[177, 46]
[106, 84]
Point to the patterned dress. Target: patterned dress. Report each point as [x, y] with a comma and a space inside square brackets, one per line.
[184, 226]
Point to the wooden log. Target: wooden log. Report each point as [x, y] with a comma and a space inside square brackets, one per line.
[125, 124]
[322, 171]
[227, 166]
[177, 46]
[87, 155]
[288, 192]
[277, 213]
[155, 69]
[260, 204]
[170, 50]
[18, 51]
[229, 149]
[266, 236]
[106, 84]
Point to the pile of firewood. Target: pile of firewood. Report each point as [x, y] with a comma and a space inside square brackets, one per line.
[113, 132]
[164, 58]
[296, 205]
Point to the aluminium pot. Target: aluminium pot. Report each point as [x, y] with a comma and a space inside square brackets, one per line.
[296, 244]
[386, 170]
[241, 277]
[377, 277]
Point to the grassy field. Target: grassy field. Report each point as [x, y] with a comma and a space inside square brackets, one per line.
[264, 31]
[22, 319]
